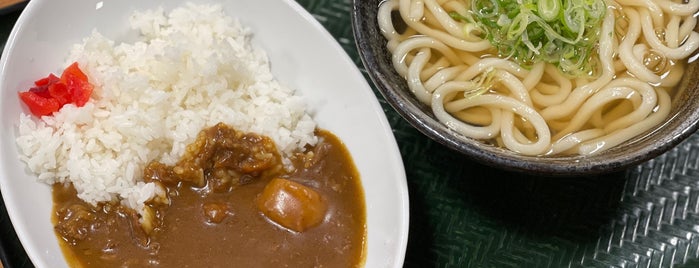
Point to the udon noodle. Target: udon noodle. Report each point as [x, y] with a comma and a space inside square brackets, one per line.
[537, 108]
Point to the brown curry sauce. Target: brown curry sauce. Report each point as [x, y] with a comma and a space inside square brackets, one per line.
[215, 220]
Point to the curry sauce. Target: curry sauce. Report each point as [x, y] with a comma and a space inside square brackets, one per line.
[215, 219]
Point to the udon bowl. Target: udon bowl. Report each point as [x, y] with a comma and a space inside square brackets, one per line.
[681, 122]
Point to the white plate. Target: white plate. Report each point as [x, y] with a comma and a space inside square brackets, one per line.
[303, 55]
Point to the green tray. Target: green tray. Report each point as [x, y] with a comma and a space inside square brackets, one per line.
[463, 214]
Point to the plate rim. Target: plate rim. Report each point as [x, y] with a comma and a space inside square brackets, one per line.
[309, 19]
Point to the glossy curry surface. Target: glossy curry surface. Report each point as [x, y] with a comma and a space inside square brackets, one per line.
[219, 218]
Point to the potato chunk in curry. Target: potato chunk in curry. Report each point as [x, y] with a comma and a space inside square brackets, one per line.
[291, 204]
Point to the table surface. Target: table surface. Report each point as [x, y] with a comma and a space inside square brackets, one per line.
[463, 214]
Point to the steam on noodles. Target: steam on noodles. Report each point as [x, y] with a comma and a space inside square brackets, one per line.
[543, 77]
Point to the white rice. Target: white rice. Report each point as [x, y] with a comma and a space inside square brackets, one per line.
[192, 68]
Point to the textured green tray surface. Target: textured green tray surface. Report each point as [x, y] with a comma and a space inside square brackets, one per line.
[463, 214]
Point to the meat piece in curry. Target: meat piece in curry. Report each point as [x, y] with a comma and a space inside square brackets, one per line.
[228, 201]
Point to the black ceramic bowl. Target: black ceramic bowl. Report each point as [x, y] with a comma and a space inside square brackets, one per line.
[681, 122]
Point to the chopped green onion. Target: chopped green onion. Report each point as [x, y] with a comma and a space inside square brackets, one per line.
[457, 16]
[561, 32]
[549, 9]
[484, 83]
